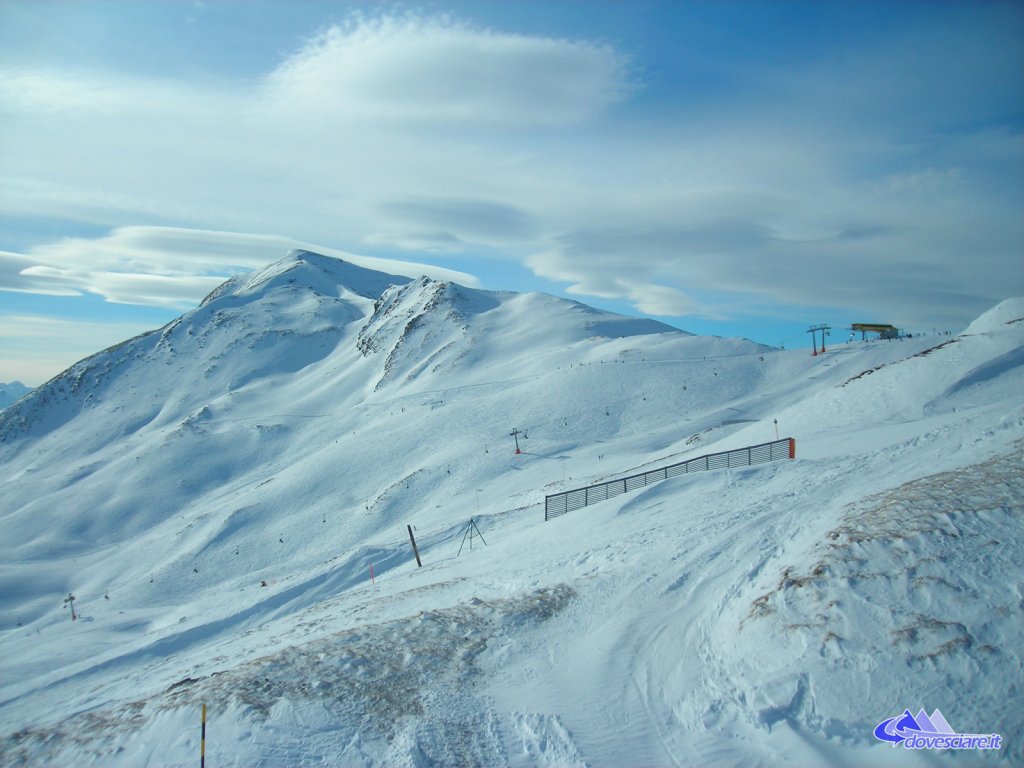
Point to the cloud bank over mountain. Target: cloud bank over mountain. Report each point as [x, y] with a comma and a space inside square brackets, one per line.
[875, 166]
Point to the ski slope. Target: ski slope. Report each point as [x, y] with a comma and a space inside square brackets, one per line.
[215, 494]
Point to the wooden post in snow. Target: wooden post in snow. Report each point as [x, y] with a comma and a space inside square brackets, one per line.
[415, 551]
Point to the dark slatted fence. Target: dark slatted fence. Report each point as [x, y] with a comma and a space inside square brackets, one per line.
[558, 504]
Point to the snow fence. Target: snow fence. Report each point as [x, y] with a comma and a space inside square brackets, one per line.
[558, 504]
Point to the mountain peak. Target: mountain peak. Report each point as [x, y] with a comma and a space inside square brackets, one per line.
[326, 275]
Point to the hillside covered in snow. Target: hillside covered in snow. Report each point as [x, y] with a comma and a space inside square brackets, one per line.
[227, 499]
[11, 392]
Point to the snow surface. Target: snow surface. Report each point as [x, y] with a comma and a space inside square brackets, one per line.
[215, 494]
[1004, 313]
[12, 392]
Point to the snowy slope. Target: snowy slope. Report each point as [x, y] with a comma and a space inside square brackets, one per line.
[286, 431]
[11, 392]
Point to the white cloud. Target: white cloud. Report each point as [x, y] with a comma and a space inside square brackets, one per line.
[342, 136]
[145, 288]
[167, 267]
[430, 69]
[13, 277]
[52, 94]
[663, 300]
[806, 183]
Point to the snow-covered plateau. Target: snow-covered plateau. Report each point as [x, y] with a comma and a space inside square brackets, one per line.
[227, 499]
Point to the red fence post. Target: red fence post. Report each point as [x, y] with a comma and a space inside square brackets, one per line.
[792, 448]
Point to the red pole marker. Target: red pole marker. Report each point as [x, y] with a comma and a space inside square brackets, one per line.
[371, 574]
[515, 433]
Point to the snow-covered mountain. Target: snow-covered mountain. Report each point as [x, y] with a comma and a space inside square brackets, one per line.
[12, 392]
[228, 498]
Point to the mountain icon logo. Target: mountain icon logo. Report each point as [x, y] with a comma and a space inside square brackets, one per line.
[897, 729]
[924, 731]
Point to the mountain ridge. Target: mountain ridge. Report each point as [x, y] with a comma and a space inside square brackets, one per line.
[301, 287]
[301, 307]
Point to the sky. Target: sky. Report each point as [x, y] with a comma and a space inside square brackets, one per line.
[730, 168]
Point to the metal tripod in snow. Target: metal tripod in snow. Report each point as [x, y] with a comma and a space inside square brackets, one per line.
[469, 533]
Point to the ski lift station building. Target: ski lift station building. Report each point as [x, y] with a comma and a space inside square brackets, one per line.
[883, 331]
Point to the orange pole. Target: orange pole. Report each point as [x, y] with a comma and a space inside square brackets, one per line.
[792, 448]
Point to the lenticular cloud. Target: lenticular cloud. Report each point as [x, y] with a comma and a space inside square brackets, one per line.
[434, 69]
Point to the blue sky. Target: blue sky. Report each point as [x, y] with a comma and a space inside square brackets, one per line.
[735, 168]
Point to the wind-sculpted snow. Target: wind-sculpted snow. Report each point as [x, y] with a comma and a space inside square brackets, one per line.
[443, 328]
[900, 594]
[403, 692]
[227, 500]
[417, 325]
